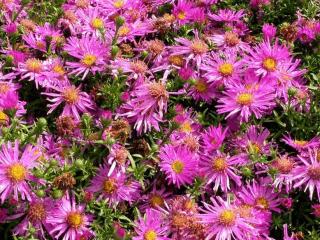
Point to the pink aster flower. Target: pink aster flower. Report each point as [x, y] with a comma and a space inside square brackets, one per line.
[219, 169]
[147, 107]
[118, 157]
[36, 214]
[213, 137]
[227, 15]
[54, 74]
[151, 227]
[156, 198]
[244, 101]
[35, 41]
[179, 164]
[182, 11]
[91, 21]
[260, 195]
[316, 210]
[194, 50]
[114, 188]
[224, 222]
[32, 69]
[15, 171]
[68, 220]
[301, 145]
[308, 173]
[266, 59]
[222, 67]
[202, 90]
[285, 167]
[254, 141]
[90, 51]
[230, 40]
[269, 31]
[75, 101]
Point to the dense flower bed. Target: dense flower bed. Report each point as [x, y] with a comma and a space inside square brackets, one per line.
[160, 119]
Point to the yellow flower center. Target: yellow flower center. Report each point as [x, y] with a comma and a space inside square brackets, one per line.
[37, 212]
[226, 69]
[59, 69]
[199, 47]
[156, 200]
[89, 60]
[109, 186]
[254, 148]
[219, 164]
[177, 166]
[34, 65]
[118, 4]
[3, 118]
[314, 173]
[201, 86]
[17, 172]
[97, 23]
[123, 30]
[75, 219]
[227, 217]
[262, 203]
[245, 98]
[186, 127]
[269, 64]
[71, 95]
[181, 15]
[150, 235]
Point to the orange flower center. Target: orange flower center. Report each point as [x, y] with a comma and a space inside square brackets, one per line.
[199, 47]
[269, 64]
[109, 186]
[314, 173]
[4, 88]
[156, 47]
[284, 165]
[37, 212]
[177, 166]
[34, 65]
[82, 3]
[139, 66]
[150, 235]
[300, 143]
[158, 91]
[262, 203]
[245, 98]
[227, 217]
[231, 39]
[219, 164]
[156, 200]
[89, 60]
[176, 60]
[17, 172]
[226, 69]
[3, 118]
[75, 219]
[59, 69]
[181, 15]
[71, 95]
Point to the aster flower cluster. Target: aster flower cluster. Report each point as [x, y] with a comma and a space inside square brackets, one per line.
[159, 120]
